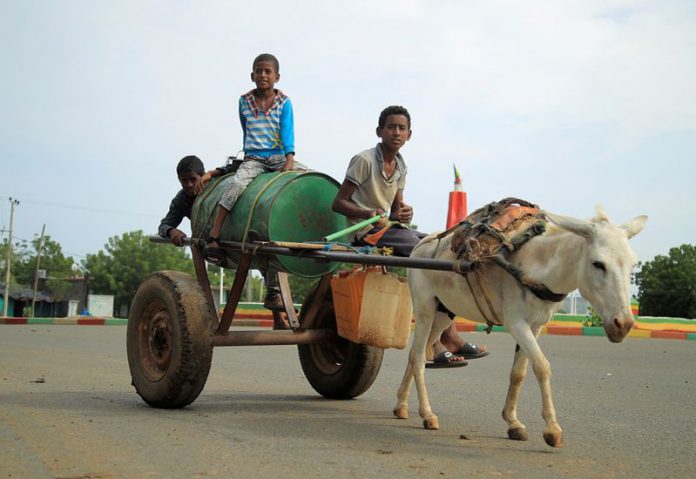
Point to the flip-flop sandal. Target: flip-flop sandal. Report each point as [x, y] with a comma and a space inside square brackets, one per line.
[446, 360]
[213, 254]
[471, 351]
[274, 302]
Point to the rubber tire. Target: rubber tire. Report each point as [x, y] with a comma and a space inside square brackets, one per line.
[341, 370]
[169, 340]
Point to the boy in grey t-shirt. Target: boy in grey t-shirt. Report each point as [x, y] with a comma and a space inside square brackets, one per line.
[374, 185]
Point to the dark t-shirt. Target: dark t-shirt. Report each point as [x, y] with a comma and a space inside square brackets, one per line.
[179, 209]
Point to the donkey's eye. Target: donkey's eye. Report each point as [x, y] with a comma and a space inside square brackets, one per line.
[600, 266]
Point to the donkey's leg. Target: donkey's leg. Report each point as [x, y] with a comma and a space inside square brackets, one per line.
[421, 337]
[438, 323]
[401, 408]
[516, 430]
[416, 353]
[553, 434]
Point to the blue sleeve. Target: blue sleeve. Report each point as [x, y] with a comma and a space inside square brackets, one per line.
[242, 120]
[287, 128]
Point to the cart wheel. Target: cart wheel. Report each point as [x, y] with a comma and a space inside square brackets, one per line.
[341, 369]
[169, 340]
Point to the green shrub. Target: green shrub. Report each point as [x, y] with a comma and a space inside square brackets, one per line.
[592, 318]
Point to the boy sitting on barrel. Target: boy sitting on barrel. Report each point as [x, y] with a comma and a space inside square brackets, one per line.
[374, 185]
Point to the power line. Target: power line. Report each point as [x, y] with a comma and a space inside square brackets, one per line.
[83, 208]
[67, 253]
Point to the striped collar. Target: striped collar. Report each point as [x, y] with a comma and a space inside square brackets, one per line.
[277, 100]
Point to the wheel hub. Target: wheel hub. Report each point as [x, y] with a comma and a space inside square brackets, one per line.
[156, 340]
[329, 358]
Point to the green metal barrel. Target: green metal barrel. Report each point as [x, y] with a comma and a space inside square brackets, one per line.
[291, 206]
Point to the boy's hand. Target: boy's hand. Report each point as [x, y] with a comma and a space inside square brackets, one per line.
[202, 181]
[405, 214]
[177, 236]
[289, 163]
[382, 222]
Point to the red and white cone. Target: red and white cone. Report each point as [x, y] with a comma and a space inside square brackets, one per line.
[456, 211]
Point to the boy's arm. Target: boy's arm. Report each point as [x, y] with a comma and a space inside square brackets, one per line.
[289, 162]
[168, 225]
[342, 204]
[209, 175]
[400, 211]
[242, 121]
[287, 135]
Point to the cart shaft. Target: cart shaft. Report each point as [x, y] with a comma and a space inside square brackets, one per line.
[273, 338]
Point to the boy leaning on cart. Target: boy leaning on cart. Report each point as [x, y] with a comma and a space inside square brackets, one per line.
[374, 185]
[191, 172]
[193, 178]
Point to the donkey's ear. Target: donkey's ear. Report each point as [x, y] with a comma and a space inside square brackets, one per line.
[579, 227]
[635, 226]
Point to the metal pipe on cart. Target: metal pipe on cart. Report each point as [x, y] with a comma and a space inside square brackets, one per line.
[275, 338]
[459, 266]
[355, 227]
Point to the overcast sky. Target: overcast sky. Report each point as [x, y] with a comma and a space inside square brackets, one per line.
[567, 104]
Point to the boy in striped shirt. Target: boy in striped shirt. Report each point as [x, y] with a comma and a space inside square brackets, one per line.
[269, 145]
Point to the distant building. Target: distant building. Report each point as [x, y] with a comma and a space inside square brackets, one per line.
[20, 298]
[574, 303]
[48, 305]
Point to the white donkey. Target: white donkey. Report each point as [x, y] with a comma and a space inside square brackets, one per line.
[592, 256]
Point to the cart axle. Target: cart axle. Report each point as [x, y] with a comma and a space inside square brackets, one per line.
[272, 338]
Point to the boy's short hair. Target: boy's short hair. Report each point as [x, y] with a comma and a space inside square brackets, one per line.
[188, 164]
[393, 110]
[267, 57]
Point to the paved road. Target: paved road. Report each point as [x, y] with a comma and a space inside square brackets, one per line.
[67, 410]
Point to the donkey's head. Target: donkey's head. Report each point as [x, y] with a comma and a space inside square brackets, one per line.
[605, 266]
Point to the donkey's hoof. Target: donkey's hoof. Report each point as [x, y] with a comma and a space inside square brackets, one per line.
[518, 433]
[401, 412]
[431, 423]
[554, 439]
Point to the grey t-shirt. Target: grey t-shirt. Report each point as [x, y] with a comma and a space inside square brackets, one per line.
[375, 190]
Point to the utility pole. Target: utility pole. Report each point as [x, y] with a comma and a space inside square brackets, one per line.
[8, 262]
[222, 276]
[36, 272]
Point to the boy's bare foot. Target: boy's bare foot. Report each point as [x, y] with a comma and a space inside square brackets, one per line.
[274, 301]
[280, 320]
[213, 253]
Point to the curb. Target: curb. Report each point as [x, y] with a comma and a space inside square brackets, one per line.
[558, 328]
[72, 321]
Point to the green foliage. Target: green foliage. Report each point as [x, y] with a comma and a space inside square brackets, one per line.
[57, 266]
[667, 284]
[15, 261]
[592, 318]
[128, 259]
[300, 287]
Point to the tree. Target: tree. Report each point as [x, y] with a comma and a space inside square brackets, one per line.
[667, 284]
[58, 268]
[300, 287]
[53, 261]
[128, 259]
[15, 261]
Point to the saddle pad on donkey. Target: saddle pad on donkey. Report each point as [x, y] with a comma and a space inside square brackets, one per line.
[506, 223]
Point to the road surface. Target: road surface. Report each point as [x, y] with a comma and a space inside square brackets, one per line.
[68, 410]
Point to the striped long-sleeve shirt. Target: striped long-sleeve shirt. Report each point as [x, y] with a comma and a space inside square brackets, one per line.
[267, 133]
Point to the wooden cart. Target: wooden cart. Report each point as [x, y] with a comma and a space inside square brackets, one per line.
[173, 326]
